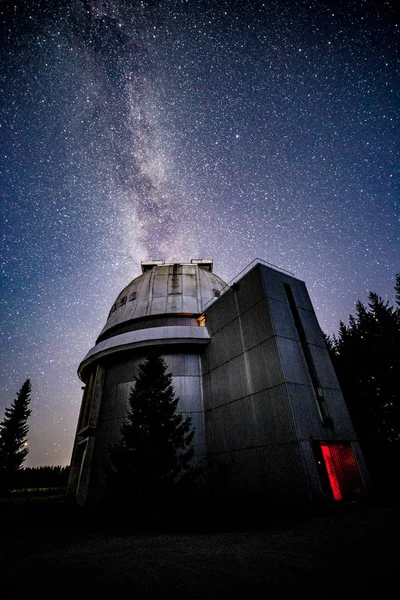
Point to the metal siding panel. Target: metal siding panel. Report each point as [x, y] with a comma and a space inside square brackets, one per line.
[131, 339]
[248, 373]
[175, 363]
[174, 304]
[256, 420]
[361, 464]
[250, 290]
[256, 324]
[312, 329]
[285, 476]
[189, 304]
[293, 362]
[222, 312]
[115, 402]
[159, 305]
[189, 284]
[174, 281]
[311, 468]
[188, 389]
[183, 364]
[265, 366]
[198, 425]
[309, 424]
[301, 296]
[272, 284]
[282, 319]
[343, 427]
[207, 400]
[240, 380]
[183, 285]
[84, 481]
[219, 383]
[305, 411]
[225, 345]
[324, 368]
[276, 471]
[141, 309]
[160, 286]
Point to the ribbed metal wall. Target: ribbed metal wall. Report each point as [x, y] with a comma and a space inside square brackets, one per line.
[166, 289]
[261, 398]
[115, 406]
[249, 422]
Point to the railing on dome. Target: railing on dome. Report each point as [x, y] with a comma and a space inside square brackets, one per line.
[241, 274]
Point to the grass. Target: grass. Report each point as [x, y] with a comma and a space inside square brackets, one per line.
[64, 551]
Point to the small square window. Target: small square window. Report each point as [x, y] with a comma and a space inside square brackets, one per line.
[113, 308]
[216, 293]
[122, 301]
[132, 297]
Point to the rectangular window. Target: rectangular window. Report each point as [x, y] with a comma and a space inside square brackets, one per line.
[132, 297]
[202, 321]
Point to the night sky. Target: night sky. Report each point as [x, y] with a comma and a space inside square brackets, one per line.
[177, 130]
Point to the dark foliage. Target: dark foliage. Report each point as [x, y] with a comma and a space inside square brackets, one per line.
[366, 355]
[13, 437]
[42, 477]
[153, 457]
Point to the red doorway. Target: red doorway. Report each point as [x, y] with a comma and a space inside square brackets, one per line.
[342, 470]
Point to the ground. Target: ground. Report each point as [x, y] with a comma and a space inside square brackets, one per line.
[46, 553]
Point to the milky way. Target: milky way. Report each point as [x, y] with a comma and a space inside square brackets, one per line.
[177, 130]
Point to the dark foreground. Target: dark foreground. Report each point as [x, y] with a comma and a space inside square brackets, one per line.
[47, 553]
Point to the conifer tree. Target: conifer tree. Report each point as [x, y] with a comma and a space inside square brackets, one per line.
[155, 448]
[366, 356]
[13, 437]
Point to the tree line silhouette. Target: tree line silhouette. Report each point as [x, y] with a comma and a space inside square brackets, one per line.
[366, 357]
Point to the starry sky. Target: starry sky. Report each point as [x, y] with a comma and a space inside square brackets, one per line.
[182, 129]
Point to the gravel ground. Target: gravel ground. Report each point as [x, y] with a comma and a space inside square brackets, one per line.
[348, 550]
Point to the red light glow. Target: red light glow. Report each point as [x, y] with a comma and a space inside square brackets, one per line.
[333, 480]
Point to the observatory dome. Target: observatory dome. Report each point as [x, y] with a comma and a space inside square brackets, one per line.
[179, 289]
[159, 307]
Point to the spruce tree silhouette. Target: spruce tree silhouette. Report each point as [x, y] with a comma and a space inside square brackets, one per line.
[366, 356]
[13, 438]
[155, 450]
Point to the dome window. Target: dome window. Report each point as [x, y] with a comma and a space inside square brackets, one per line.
[122, 301]
[132, 297]
[113, 308]
[216, 293]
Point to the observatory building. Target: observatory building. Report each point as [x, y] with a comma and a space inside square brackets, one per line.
[250, 367]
